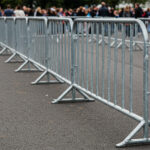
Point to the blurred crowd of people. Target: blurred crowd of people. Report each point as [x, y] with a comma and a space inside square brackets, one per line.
[103, 11]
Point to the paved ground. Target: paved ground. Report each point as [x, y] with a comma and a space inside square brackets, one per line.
[28, 120]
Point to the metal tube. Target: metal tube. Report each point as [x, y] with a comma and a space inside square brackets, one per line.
[111, 104]
[87, 57]
[92, 51]
[69, 49]
[65, 47]
[78, 54]
[109, 60]
[62, 49]
[97, 59]
[131, 68]
[115, 64]
[103, 59]
[82, 54]
[123, 65]
[146, 88]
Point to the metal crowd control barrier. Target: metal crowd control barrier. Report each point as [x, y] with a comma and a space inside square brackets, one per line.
[112, 75]
[147, 23]
[33, 36]
[57, 53]
[87, 61]
[4, 35]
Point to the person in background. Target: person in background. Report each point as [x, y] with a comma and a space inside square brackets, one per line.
[111, 12]
[148, 15]
[116, 13]
[19, 12]
[94, 11]
[38, 12]
[61, 12]
[121, 12]
[44, 12]
[81, 11]
[145, 15]
[88, 12]
[8, 12]
[68, 12]
[52, 12]
[74, 13]
[25, 9]
[138, 11]
[127, 12]
[0, 11]
[30, 12]
[103, 11]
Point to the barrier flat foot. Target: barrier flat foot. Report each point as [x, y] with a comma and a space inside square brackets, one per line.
[73, 98]
[133, 142]
[128, 141]
[48, 80]
[55, 101]
[69, 100]
[5, 52]
[10, 59]
[121, 145]
[29, 68]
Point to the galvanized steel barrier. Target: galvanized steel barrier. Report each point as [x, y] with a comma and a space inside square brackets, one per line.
[90, 61]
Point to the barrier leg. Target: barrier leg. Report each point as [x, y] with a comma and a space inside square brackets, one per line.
[10, 59]
[112, 44]
[47, 74]
[5, 51]
[72, 89]
[28, 69]
[119, 45]
[135, 44]
[128, 141]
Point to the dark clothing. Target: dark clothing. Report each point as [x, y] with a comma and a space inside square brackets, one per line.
[0, 14]
[51, 14]
[121, 13]
[74, 14]
[31, 13]
[112, 14]
[93, 13]
[103, 11]
[80, 13]
[138, 12]
[39, 14]
[8, 12]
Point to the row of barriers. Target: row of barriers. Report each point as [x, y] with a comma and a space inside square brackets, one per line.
[94, 64]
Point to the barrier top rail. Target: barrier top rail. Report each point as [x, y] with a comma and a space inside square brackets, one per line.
[62, 19]
[120, 20]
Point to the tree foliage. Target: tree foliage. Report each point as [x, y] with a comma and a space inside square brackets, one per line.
[138, 1]
[62, 3]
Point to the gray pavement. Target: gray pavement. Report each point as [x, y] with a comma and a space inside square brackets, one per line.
[28, 120]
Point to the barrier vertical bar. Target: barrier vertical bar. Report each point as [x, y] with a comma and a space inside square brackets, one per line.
[82, 54]
[109, 60]
[87, 60]
[123, 63]
[97, 59]
[131, 68]
[145, 92]
[92, 51]
[115, 63]
[103, 60]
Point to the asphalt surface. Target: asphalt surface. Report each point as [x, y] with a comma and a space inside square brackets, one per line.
[28, 120]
